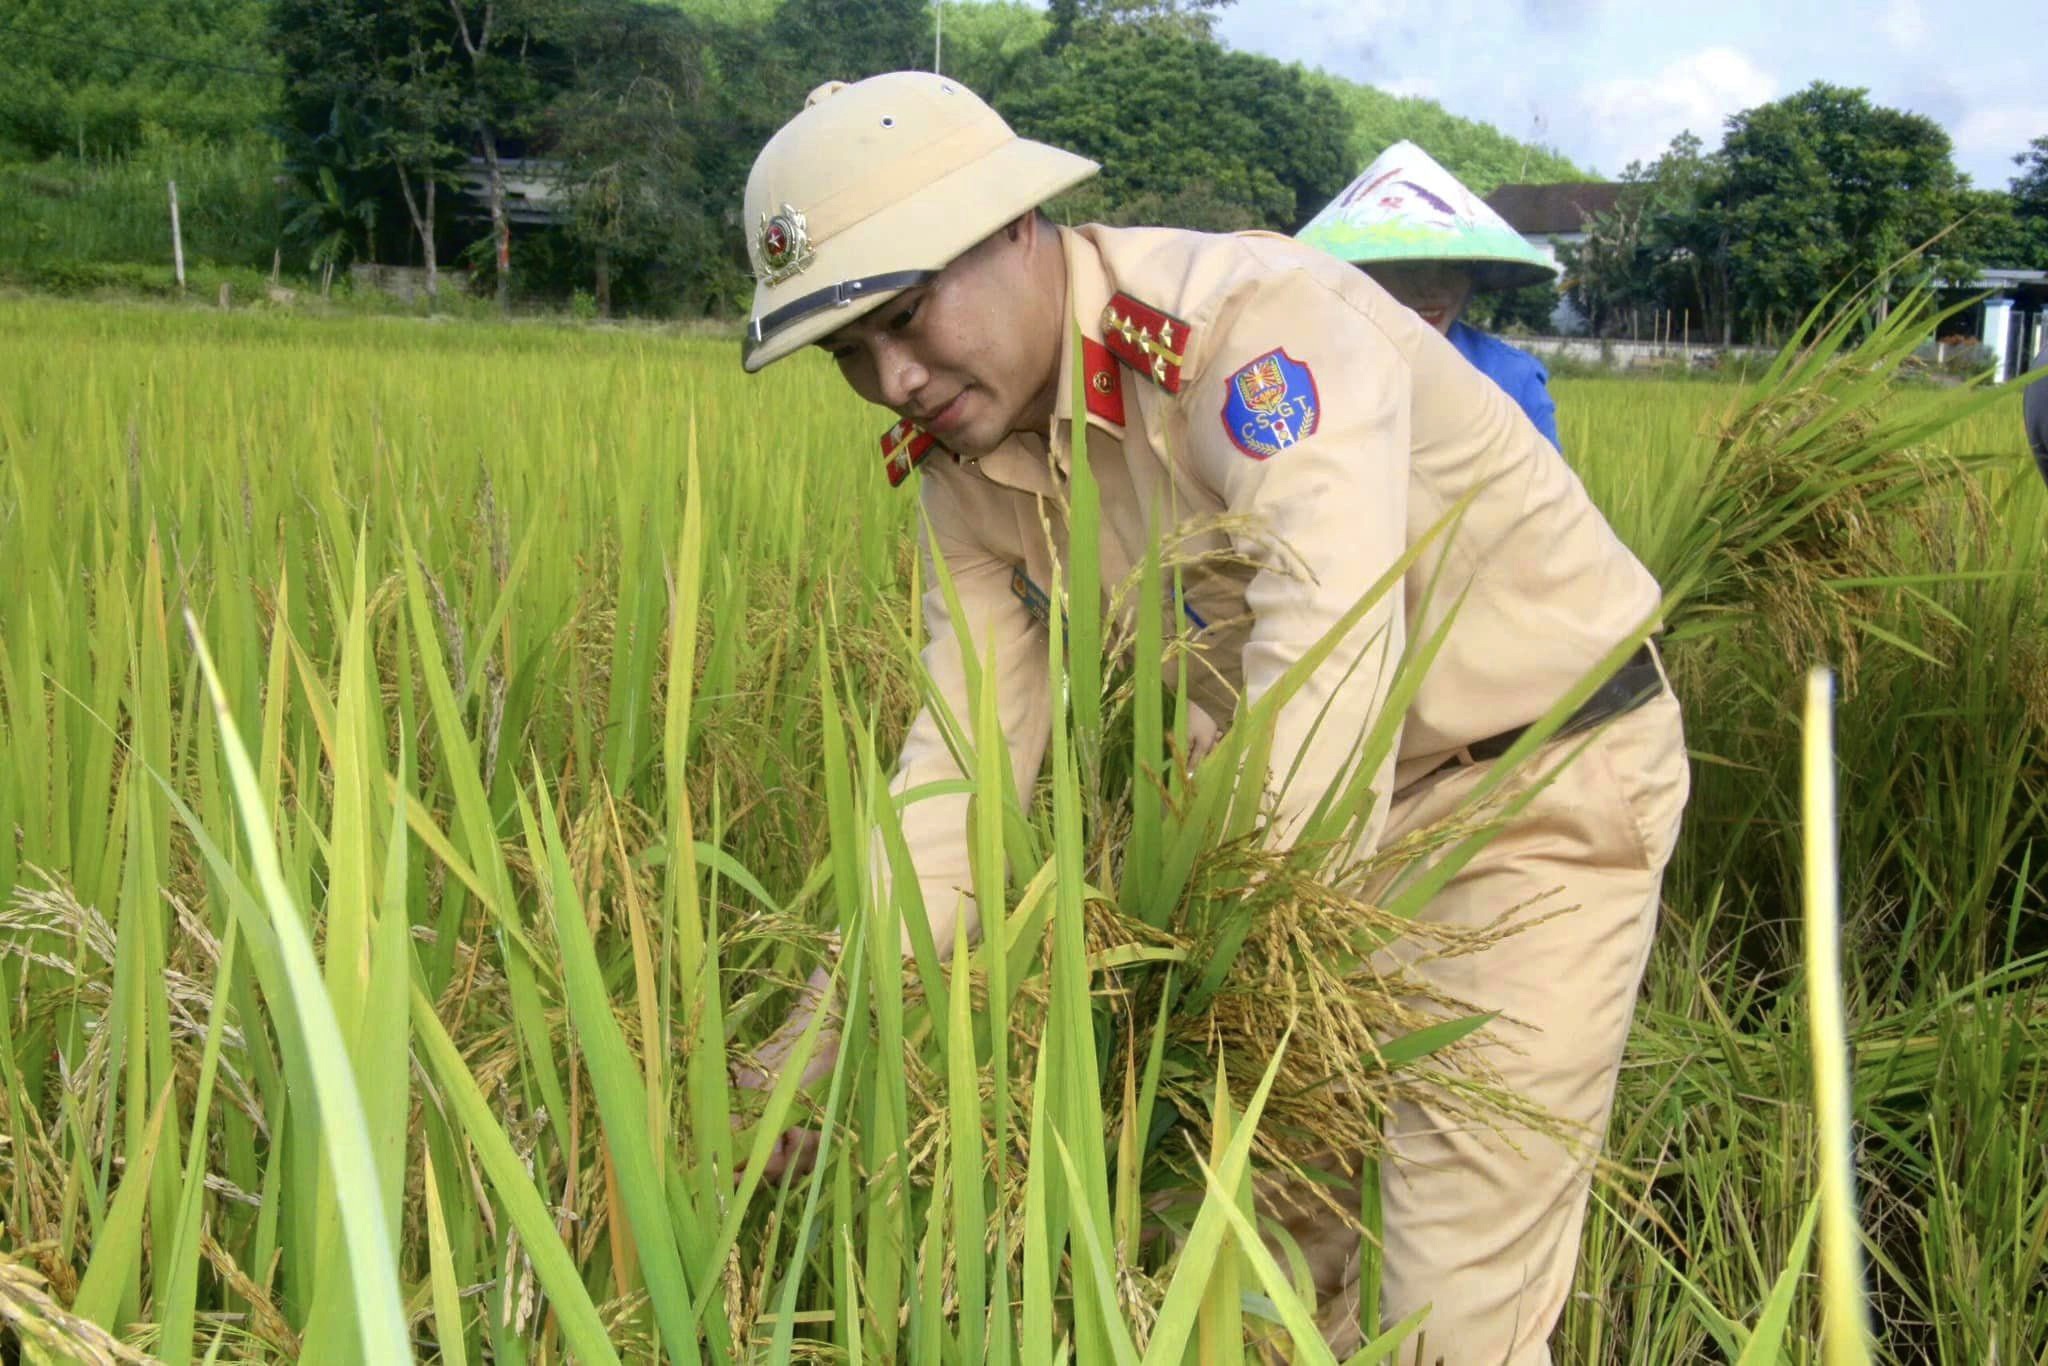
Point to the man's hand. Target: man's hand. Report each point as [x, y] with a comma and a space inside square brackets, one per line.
[1203, 732]
[795, 1153]
[796, 1149]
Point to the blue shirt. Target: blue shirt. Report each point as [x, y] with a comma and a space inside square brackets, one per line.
[1518, 373]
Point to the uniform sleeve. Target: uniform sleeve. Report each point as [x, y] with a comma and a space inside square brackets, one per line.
[1300, 420]
[935, 827]
[1520, 376]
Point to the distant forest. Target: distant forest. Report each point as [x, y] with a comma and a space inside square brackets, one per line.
[312, 135]
[321, 133]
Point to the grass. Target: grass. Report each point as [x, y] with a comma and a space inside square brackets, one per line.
[432, 752]
[61, 217]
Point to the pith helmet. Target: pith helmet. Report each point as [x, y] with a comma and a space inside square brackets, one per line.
[872, 190]
[1404, 207]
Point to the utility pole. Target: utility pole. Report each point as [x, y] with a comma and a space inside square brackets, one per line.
[177, 238]
[938, 32]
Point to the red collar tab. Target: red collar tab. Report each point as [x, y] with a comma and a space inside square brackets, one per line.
[904, 447]
[1105, 382]
[1150, 342]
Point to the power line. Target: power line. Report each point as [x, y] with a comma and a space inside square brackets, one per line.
[146, 55]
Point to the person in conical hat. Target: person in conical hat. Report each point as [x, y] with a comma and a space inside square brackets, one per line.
[1433, 244]
[1298, 435]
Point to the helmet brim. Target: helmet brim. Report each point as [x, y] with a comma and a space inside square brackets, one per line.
[914, 237]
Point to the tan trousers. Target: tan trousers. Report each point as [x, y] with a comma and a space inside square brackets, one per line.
[1483, 1234]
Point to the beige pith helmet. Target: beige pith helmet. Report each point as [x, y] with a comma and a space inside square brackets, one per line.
[872, 190]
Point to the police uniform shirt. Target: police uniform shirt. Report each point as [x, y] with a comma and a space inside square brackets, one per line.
[1301, 430]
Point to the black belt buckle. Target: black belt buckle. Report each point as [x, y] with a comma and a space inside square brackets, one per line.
[1634, 683]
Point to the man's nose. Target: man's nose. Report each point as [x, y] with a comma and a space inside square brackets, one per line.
[900, 374]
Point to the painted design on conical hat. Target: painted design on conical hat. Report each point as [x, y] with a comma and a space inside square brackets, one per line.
[1405, 207]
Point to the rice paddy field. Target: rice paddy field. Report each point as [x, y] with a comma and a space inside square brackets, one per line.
[431, 754]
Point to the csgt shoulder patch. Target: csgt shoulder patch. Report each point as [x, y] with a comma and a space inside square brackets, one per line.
[1031, 595]
[1271, 404]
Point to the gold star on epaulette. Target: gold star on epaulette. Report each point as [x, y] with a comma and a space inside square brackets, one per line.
[1145, 339]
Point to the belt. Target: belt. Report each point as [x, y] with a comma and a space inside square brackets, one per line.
[1633, 684]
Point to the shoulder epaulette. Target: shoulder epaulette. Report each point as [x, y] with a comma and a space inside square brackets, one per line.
[904, 447]
[1105, 382]
[1150, 342]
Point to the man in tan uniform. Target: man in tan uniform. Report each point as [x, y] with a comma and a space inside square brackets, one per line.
[894, 224]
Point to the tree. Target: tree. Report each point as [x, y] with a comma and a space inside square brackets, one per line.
[2030, 203]
[1989, 231]
[1478, 154]
[1824, 189]
[389, 65]
[1524, 310]
[811, 41]
[1612, 271]
[1066, 18]
[626, 141]
[995, 46]
[1184, 18]
[502, 95]
[1688, 238]
[90, 76]
[416, 103]
[1818, 192]
[1189, 133]
[1662, 249]
[432, 81]
[331, 202]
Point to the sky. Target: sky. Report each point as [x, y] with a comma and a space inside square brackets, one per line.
[1611, 81]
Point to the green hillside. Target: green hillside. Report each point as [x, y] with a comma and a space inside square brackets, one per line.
[102, 102]
[988, 46]
[1477, 153]
[100, 77]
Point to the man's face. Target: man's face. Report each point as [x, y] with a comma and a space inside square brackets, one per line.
[1438, 292]
[972, 356]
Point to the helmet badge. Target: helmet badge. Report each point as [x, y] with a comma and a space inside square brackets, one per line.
[785, 243]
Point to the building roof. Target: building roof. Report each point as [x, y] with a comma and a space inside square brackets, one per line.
[2002, 278]
[531, 192]
[1549, 209]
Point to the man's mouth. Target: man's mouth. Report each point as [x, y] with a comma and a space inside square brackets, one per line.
[948, 416]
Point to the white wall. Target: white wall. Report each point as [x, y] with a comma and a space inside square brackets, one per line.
[1565, 320]
[1997, 334]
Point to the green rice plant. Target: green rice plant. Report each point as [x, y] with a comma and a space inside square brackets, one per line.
[564, 682]
[1845, 1315]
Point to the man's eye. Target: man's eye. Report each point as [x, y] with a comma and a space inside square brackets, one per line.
[902, 318]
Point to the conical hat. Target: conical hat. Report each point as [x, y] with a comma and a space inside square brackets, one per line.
[1405, 207]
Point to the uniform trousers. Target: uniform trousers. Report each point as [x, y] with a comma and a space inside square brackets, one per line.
[1482, 1224]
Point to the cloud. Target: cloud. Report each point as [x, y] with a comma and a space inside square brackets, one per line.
[1987, 140]
[2007, 129]
[1903, 25]
[1375, 39]
[1634, 118]
[1552, 14]
[1351, 39]
[1422, 87]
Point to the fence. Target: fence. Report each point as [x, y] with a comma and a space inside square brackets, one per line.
[1619, 354]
